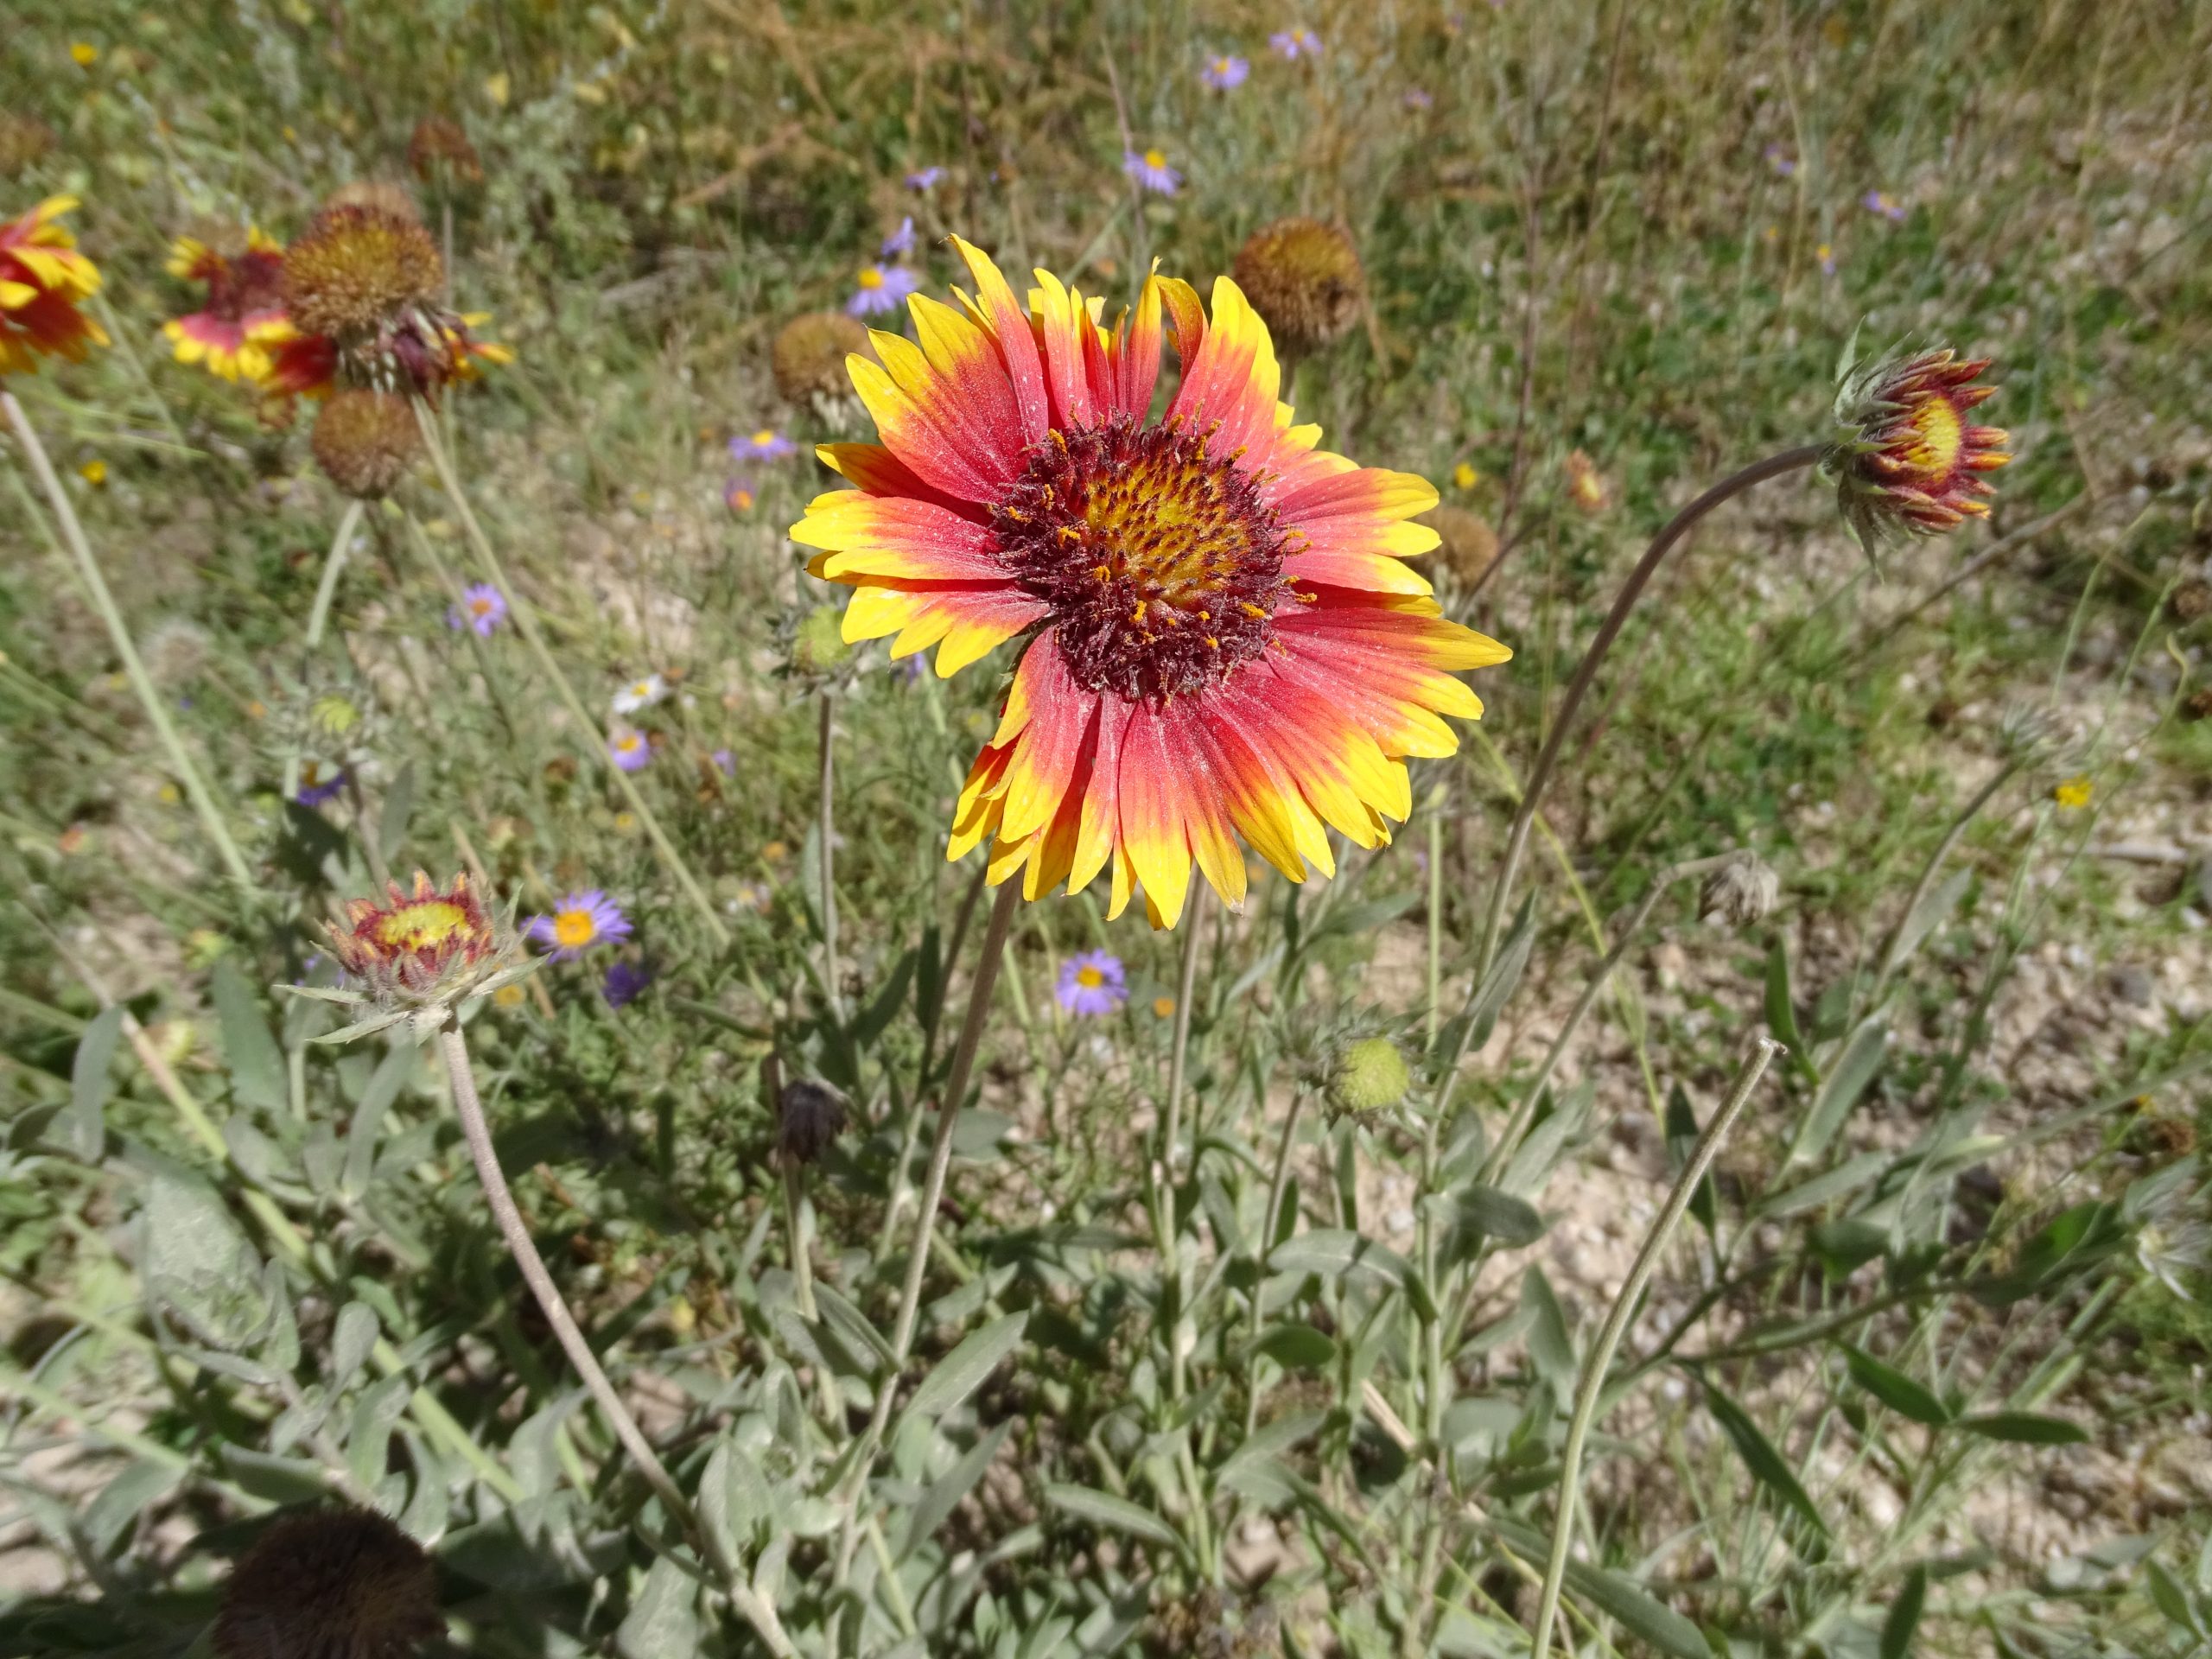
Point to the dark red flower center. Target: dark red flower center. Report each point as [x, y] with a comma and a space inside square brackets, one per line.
[1161, 564]
[238, 287]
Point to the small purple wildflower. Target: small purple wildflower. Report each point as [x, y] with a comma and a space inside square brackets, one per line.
[924, 178]
[1225, 73]
[1781, 161]
[1152, 172]
[1092, 983]
[626, 981]
[767, 444]
[1827, 256]
[578, 922]
[482, 608]
[725, 762]
[1880, 202]
[881, 287]
[899, 241]
[630, 751]
[1296, 42]
[1419, 98]
[316, 786]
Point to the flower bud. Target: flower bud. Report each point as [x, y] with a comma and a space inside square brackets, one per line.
[819, 646]
[1907, 461]
[1368, 1076]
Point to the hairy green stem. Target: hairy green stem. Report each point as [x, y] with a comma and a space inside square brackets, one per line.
[1600, 1358]
[1532, 796]
[1171, 1255]
[826, 832]
[203, 799]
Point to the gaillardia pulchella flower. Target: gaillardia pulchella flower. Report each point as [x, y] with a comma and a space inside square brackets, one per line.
[43, 279]
[243, 315]
[416, 957]
[1220, 636]
[1909, 459]
[1304, 279]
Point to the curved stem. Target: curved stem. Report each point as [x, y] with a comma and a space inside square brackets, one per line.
[1600, 1358]
[1789, 460]
[319, 618]
[453, 1047]
[203, 799]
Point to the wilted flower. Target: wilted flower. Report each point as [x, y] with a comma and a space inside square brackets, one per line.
[1368, 1076]
[1743, 891]
[625, 983]
[810, 1116]
[1225, 73]
[1585, 484]
[2199, 706]
[333, 1583]
[767, 444]
[881, 289]
[808, 360]
[243, 315]
[377, 195]
[440, 146]
[42, 278]
[1304, 279]
[1907, 461]
[1152, 172]
[1880, 202]
[899, 241]
[1467, 545]
[365, 442]
[318, 784]
[24, 139]
[579, 922]
[482, 608]
[924, 178]
[1092, 982]
[1295, 43]
[415, 956]
[2191, 600]
[629, 750]
[640, 693]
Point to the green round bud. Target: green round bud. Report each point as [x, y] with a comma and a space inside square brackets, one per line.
[820, 647]
[1368, 1076]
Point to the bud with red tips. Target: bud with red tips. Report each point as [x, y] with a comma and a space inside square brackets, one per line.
[1909, 459]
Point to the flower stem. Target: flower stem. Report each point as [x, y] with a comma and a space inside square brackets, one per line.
[933, 1017]
[319, 617]
[203, 801]
[1171, 1135]
[1600, 1358]
[1789, 460]
[826, 831]
[526, 621]
[453, 1047]
[802, 1260]
[1270, 1218]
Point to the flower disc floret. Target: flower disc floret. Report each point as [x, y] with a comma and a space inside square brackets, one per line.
[360, 270]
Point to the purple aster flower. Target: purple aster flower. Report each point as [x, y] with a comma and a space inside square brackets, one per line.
[767, 444]
[1781, 161]
[1225, 73]
[1826, 255]
[624, 983]
[1880, 202]
[317, 785]
[482, 608]
[579, 922]
[881, 287]
[924, 178]
[738, 495]
[629, 750]
[1418, 97]
[1296, 42]
[725, 762]
[1092, 982]
[899, 241]
[1152, 172]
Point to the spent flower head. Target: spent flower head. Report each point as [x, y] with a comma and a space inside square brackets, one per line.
[332, 1583]
[440, 150]
[1743, 891]
[1305, 280]
[810, 1116]
[1907, 459]
[365, 441]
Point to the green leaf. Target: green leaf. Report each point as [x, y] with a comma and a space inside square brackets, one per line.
[942, 1496]
[664, 1619]
[1338, 1253]
[2072, 1240]
[1904, 1614]
[1856, 1067]
[1296, 1347]
[1539, 1154]
[383, 1088]
[257, 1064]
[354, 1336]
[1894, 1389]
[850, 1324]
[962, 1371]
[368, 1441]
[2172, 1598]
[2024, 1428]
[1115, 1513]
[876, 1018]
[197, 1264]
[1928, 914]
[1497, 1214]
[1683, 1133]
[1780, 1008]
[1649, 1620]
[1551, 1340]
[1759, 1456]
[89, 1084]
[1471, 1028]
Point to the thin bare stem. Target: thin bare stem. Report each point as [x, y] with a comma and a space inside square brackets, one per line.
[525, 618]
[826, 831]
[453, 1047]
[1270, 1219]
[203, 799]
[933, 1017]
[1171, 1254]
[1600, 1358]
[802, 1259]
[1532, 796]
[319, 617]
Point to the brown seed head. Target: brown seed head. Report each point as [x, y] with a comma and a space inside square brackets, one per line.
[1304, 279]
[365, 441]
[380, 193]
[809, 1117]
[2199, 706]
[1469, 544]
[2191, 600]
[358, 271]
[810, 355]
[1743, 891]
[330, 1584]
[440, 145]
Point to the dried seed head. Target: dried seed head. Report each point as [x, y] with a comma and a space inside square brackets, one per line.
[809, 356]
[1368, 1076]
[1304, 279]
[440, 145]
[1743, 891]
[365, 441]
[360, 269]
[809, 1116]
[330, 1584]
[1469, 544]
[380, 195]
[2199, 706]
[2191, 600]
